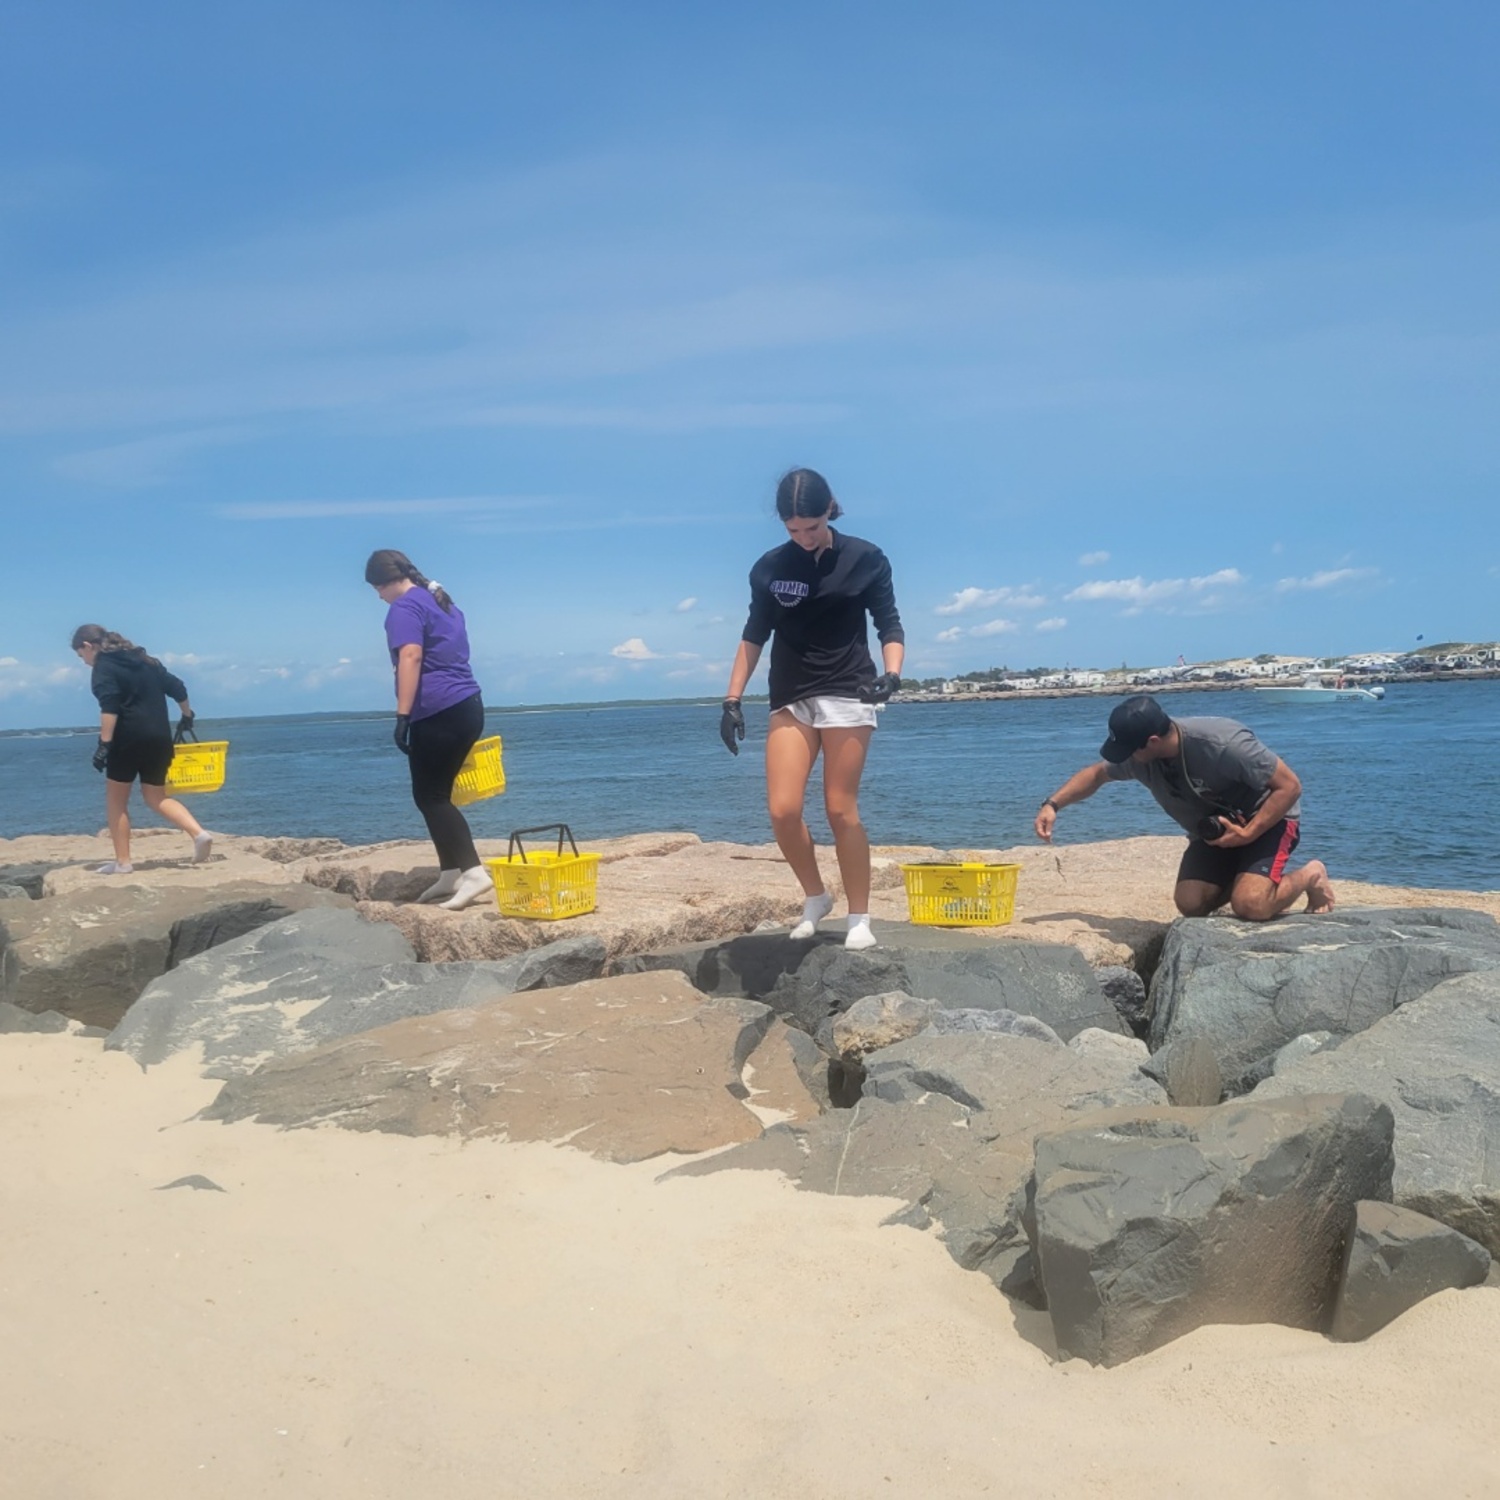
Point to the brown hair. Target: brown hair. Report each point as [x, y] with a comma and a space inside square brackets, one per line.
[107, 640]
[389, 566]
[805, 493]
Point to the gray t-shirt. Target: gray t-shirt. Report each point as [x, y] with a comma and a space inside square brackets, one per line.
[1222, 768]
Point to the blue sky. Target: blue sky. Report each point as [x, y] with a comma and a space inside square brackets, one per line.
[1126, 330]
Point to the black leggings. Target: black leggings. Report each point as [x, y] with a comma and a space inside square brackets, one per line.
[438, 747]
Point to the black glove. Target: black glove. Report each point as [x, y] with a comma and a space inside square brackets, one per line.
[184, 726]
[881, 689]
[101, 756]
[732, 725]
[402, 735]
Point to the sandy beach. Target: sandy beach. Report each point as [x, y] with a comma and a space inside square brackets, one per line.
[364, 1314]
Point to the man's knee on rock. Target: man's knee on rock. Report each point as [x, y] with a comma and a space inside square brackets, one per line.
[1197, 903]
[1253, 906]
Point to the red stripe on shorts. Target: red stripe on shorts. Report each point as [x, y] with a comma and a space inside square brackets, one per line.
[1283, 851]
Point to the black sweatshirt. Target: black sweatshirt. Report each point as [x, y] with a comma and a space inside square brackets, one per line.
[135, 687]
[816, 607]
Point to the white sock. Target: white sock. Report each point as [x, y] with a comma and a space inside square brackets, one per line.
[859, 935]
[114, 867]
[814, 909]
[203, 846]
[444, 885]
[472, 884]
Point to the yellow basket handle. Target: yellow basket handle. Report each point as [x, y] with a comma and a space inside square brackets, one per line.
[563, 832]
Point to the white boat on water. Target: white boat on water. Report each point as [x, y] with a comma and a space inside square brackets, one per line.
[1323, 687]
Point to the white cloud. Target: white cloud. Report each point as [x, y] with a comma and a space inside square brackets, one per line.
[1140, 593]
[952, 633]
[635, 649]
[1057, 622]
[994, 627]
[1093, 559]
[145, 461]
[324, 510]
[1329, 578]
[9, 661]
[685, 605]
[966, 599]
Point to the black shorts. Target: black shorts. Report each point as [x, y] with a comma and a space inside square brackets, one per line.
[1267, 856]
[148, 759]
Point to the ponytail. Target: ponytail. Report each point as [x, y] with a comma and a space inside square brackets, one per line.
[389, 566]
[109, 640]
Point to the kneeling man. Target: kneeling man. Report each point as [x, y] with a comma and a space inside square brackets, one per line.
[1238, 801]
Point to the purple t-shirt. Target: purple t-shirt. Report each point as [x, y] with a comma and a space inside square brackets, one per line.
[417, 619]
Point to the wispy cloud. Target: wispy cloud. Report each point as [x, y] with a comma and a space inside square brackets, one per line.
[1328, 579]
[1056, 622]
[326, 510]
[684, 605]
[952, 633]
[1140, 593]
[994, 627]
[145, 461]
[971, 598]
[1093, 559]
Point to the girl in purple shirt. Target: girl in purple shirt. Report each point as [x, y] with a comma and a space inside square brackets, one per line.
[439, 714]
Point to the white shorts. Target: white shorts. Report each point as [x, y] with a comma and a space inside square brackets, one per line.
[833, 713]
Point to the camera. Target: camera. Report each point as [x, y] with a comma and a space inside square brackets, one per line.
[1211, 828]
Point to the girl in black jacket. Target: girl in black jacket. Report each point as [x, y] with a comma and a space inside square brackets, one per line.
[135, 737]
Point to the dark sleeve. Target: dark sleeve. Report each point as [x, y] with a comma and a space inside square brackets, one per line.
[173, 687]
[880, 600]
[1120, 770]
[106, 686]
[762, 612]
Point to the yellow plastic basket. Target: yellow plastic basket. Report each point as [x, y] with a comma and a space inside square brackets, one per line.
[966, 895]
[197, 766]
[481, 775]
[545, 887]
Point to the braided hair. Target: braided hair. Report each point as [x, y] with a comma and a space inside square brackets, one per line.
[389, 566]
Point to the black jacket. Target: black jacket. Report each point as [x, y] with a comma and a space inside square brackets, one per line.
[816, 608]
[135, 687]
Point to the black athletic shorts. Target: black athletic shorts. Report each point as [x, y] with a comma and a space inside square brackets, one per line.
[1267, 856]
[148, 759]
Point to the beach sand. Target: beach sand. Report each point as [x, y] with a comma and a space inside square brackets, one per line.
[372, 1315]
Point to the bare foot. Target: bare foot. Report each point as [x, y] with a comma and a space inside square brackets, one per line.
[1320, 888]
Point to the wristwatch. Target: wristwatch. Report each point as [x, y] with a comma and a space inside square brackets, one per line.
[1048, 802]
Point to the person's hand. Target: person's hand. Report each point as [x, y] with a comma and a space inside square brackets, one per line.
[732, 725]
[101, 756]
[402, 735]
[184, 725]
[881, 689]
[1046, 821]
[1235, 836]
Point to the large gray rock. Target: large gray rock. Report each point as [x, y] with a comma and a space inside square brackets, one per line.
[28, 877]
[1396, 1259]
[809, 982]
[14, 1020]
[1436, 1063]
[1148, 1225]
[626, 1067]
[315, 976]
[1248, 988]
[946, 1123]
[89, 953]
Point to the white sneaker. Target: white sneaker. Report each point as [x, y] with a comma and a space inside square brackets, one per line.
[472, 886]
[114, 867]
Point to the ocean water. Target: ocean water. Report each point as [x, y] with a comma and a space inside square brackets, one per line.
[1403, 792]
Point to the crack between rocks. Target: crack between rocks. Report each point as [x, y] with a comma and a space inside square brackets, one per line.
[838, 1177]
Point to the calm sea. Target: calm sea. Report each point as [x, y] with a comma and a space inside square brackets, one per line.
[1403, 792]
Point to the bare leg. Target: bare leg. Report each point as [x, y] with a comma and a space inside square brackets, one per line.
[117, 818]
[844, 752]
[791, 750]
[1258, 899]
[171, 809]
[1197, 898]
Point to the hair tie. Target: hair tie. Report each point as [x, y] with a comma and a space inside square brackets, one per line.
[433, 586]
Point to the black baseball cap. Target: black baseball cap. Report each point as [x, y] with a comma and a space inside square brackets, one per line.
[1135, 721]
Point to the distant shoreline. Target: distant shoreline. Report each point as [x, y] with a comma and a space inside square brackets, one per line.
[983, 694]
